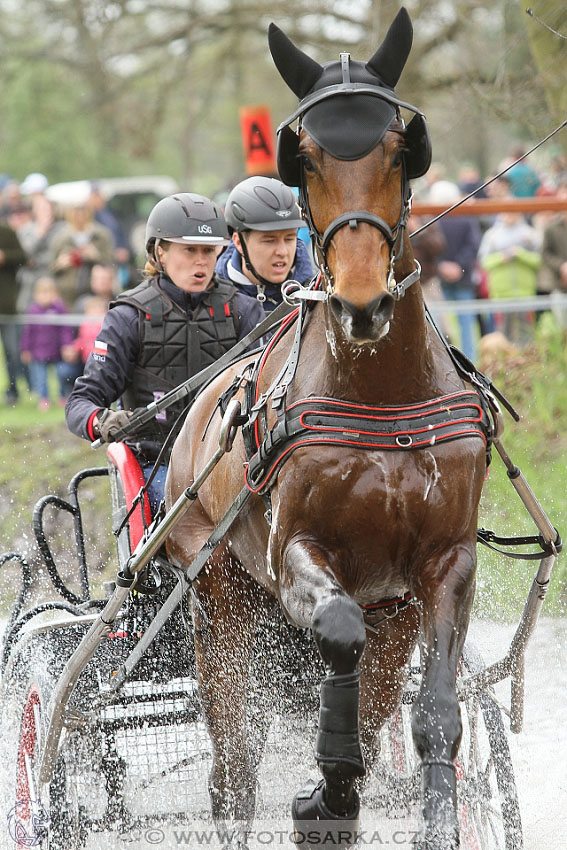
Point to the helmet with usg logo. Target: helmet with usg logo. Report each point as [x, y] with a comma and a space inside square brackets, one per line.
[186, 218]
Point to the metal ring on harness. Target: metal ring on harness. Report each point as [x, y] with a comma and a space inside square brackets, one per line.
[404, 441]
[294, 292]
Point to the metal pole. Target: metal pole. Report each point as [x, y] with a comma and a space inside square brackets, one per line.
[513, 664]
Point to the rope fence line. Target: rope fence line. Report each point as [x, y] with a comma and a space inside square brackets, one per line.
[534, 304]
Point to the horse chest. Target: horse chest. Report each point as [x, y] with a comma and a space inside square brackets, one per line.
[359, 497]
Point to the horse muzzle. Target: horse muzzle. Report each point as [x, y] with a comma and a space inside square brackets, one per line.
[366, 324]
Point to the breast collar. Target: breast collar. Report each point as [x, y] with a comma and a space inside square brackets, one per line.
[330, 421]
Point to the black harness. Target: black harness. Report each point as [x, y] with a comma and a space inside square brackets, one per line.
[328, 421]
[469, 413]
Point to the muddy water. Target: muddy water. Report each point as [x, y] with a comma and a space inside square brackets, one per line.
[539, 753]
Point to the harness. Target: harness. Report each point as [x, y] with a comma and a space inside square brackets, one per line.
[329, 421]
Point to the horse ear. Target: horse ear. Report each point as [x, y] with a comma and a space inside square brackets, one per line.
[389, 60]
[299, 70]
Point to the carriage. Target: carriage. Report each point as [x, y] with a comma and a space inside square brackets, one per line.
[134, 758]
[333, 477]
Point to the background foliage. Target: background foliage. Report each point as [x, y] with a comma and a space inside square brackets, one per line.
[94, 88]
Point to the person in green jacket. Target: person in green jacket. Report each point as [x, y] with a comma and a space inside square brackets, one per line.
[12, 256]
[510, 251]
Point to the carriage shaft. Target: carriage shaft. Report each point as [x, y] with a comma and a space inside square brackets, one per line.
[528, 497]
[102, 625]
[513, 663]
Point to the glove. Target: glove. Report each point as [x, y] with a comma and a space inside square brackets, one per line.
[110, 421]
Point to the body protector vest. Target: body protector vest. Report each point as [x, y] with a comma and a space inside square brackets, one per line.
[175, 345]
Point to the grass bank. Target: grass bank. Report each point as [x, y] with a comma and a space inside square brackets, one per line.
[535, 381]
[39, 456]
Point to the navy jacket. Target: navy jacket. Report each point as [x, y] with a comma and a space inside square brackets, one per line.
[229, 267]
[462, 237]
[109, 371]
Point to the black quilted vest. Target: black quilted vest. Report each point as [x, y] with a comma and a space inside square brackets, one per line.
[175, 345]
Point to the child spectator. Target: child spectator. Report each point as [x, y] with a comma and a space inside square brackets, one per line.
[42, 344]
[81, 347]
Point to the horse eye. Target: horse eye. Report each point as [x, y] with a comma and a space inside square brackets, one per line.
[307, 164]
[398, 157]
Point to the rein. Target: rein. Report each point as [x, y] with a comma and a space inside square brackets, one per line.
[489, 181]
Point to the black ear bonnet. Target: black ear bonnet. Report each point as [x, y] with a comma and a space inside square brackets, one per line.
[347, 126]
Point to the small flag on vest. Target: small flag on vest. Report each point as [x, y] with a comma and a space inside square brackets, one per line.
[100, 349]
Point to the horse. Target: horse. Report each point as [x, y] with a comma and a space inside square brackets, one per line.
[372, 504]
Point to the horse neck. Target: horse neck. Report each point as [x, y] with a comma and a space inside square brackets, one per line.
[398, 369]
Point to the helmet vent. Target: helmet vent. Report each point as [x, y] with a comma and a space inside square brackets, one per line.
[267, 197]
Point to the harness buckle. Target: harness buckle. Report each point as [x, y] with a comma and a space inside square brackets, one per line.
[278, 394]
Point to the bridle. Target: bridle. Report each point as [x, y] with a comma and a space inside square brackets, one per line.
[394, 236]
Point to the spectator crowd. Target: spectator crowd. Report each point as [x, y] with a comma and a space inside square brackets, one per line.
[55, 262]
[507, 256]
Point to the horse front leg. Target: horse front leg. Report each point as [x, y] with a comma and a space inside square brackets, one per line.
[436, 720]
[313, 597]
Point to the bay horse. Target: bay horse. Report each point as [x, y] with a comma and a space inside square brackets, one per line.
[374, 506]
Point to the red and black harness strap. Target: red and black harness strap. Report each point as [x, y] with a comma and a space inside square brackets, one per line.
[327, 421]
[378, 612]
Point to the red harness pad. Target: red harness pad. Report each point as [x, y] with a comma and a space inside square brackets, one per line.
[325, 421]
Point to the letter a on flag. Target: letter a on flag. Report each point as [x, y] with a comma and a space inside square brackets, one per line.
[258, 140]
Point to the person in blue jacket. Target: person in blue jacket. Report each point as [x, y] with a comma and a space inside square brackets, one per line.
[179, 320]
[263, 217]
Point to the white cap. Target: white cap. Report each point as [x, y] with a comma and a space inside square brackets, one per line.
[444, 192]
[33, 183]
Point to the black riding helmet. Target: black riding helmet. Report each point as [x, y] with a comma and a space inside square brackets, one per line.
[262, 203]
[186, 218]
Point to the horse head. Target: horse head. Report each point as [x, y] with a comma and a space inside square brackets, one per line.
[352, 158]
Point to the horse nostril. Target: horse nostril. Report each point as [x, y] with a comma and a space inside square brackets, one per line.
[363, 323]
[382, 308]
[336, 305]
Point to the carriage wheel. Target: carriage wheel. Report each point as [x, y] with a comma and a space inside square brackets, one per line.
[489, 812]
[47, 816]
[489, 809]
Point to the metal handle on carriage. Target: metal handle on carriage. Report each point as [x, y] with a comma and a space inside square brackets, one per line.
[526, 494]
[100, 628]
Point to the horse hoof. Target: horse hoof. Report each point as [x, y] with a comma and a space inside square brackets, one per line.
[316, 826]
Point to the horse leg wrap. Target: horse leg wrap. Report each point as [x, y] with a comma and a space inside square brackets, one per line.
[338, 740]
[316, 826]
